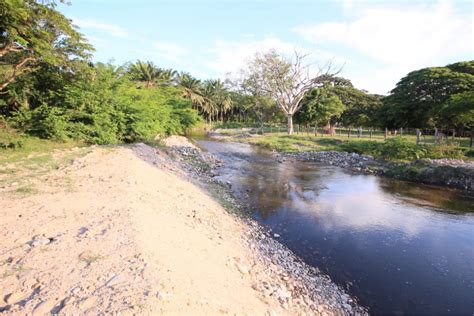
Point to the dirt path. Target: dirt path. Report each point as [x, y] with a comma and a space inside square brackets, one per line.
[128, 234]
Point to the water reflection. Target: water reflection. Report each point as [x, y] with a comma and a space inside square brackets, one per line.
[400, 247]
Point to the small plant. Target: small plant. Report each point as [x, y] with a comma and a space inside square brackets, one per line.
[397, 148]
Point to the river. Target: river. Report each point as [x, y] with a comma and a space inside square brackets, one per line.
[400, 248]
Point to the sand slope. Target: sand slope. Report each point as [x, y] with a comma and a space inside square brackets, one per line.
[124, 235]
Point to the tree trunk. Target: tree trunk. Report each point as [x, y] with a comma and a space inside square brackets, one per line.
[290, 124]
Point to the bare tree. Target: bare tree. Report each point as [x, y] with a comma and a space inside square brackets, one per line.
[287, 80]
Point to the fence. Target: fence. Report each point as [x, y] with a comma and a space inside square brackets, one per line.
[420, 136]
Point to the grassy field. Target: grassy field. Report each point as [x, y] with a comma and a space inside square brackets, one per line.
[343, 134]
[395, 148]
[20, 166]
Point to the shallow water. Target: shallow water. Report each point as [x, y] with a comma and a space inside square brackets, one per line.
[400, 248]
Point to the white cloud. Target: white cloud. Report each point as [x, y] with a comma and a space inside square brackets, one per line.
[111, 29]
[406, 38]
[170, 51]
[230, 56]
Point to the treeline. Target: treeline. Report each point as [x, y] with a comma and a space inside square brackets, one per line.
[49, 88]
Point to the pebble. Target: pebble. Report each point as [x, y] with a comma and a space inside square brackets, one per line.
[88, 303]
[44, 308]
[14, 297]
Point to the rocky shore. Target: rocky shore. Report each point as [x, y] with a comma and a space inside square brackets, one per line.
[452, 173]
[297, 286]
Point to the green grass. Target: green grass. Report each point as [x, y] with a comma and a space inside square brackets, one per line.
[395, 148]
[35, 158]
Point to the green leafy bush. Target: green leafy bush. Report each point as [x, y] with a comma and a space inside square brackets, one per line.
[9, 138]
[361, 147]
[108, 108]
[446, 151]
[397, 148]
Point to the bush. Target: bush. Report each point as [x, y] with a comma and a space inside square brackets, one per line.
[108, 109]
[397, 148]
[446, 151]
[9, 138]
[361, 147]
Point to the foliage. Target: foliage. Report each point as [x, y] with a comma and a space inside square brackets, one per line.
[33, 32]
[285, 80]
[9, 138]
[108, 108]
[458, 110]
[417, 98]
[320, 106]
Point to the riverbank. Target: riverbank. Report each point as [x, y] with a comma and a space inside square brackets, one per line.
[139, 230]
[447, 172]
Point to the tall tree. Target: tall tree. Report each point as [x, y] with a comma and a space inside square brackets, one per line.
[286, 80]
[33, 32]
[320, 106]
[151, 75]
[192, 89]
[416, 99]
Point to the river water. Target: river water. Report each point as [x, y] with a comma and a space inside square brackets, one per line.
[400, 248]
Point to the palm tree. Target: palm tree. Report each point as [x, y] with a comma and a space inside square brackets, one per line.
[191, 89]
[221, 97]
[152, 75]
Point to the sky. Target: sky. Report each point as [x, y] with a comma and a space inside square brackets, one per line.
[375, 42]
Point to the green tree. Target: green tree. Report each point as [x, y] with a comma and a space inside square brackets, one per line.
[417, 98]
[32, 33]
[320, 106]
[458, 111]
[151, 75]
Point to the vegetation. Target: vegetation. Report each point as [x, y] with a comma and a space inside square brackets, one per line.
[391, 149]
[50, 89]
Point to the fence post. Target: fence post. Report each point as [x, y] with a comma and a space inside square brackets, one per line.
[349, 133]
[454, 133]
[370, 133]
[401, 132]
[385, 134]
[436, 136]
[360, 132]
[418, 136]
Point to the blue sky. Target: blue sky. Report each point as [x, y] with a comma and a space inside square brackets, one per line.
[378, 42]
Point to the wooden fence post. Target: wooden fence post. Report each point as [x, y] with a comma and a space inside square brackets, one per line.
[418, 136]
[436, 136]
[385, 134]
[401, 132]
[370, 133]
[454, 134]
[360, 132]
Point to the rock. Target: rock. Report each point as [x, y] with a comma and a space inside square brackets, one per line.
[44, 308]
[117, 279]
[39, 241]
[14, 297]
[88, 303]
[276, 235]
[242, 268]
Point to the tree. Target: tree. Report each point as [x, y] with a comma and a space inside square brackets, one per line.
[151, 75]
[319, 106]
[191, 88]
[286, 81]
[32, 33]
[417, 98]
[458, 111]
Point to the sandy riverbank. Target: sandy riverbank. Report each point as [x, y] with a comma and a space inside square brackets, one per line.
[124, 230]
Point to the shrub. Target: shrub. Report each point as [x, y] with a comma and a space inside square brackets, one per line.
[361, 147]
[446, 151]
[397, 148]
